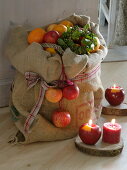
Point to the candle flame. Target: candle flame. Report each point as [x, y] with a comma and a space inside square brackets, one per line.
[114, 86]
[90, 122]
[113, 121]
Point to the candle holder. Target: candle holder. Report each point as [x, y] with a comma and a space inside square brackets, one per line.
[111, 132]
[100, 148]
[90, 143]
[115, 95]
[90, 133]
[114, 106]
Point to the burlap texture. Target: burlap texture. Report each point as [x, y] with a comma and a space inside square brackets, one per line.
[25, 57]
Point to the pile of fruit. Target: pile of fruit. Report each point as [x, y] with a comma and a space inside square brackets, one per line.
[60, 117]
[80, 40]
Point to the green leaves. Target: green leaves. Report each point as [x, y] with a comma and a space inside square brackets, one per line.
[69, 42]
[86, 27]
[61, 43]
[88, 44]
[79, 40]
[95, 41]
[76, 35]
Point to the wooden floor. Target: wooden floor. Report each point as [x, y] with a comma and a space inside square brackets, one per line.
[60, 155]
[63, 155]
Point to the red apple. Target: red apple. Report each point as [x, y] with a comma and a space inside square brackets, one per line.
[51, 37]
[61, 118]
[89, 134]
[71, 92]
[114, 96]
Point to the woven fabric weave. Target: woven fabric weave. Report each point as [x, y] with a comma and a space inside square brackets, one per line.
[84, 70]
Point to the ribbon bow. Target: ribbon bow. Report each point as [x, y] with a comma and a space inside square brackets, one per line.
[32, 79]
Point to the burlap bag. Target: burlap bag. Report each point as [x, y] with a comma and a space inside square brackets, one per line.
[25, 57]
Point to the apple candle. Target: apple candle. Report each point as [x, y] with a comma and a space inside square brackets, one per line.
[89, 133]
[111, 132]
[115, 95]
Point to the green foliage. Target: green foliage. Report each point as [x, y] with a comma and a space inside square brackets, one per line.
[79, 40]
[88, 44]
[62, 43]
[86, 27]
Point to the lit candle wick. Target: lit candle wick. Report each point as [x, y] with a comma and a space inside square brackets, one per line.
[113, 121]
[90, 122]
[114, 86]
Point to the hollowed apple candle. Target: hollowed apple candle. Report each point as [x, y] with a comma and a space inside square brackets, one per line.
[114, 95]
[111, 132]
[89, 133]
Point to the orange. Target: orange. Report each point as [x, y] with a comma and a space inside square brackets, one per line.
[60, 28]
[51, 50]
[36, 35]
[96, 48]
[50, 27]
[53, 95]
[67, 23]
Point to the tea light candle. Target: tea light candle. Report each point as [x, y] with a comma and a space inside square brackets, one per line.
[114, 95]
[111, 132]
[89, 133]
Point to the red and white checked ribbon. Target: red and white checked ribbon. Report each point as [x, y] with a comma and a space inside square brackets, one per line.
[33, 78]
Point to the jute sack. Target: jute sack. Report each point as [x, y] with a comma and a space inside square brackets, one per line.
[40, 68]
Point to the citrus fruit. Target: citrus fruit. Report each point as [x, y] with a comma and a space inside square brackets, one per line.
[36, 35]
[53, 95]
[67, 23]
[51, 50]
[60, 28]
[50, 27]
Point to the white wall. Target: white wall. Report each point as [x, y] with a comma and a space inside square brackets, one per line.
[88, 7]
[37, 13]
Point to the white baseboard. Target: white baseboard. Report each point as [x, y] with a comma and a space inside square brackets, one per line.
[5, 86]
